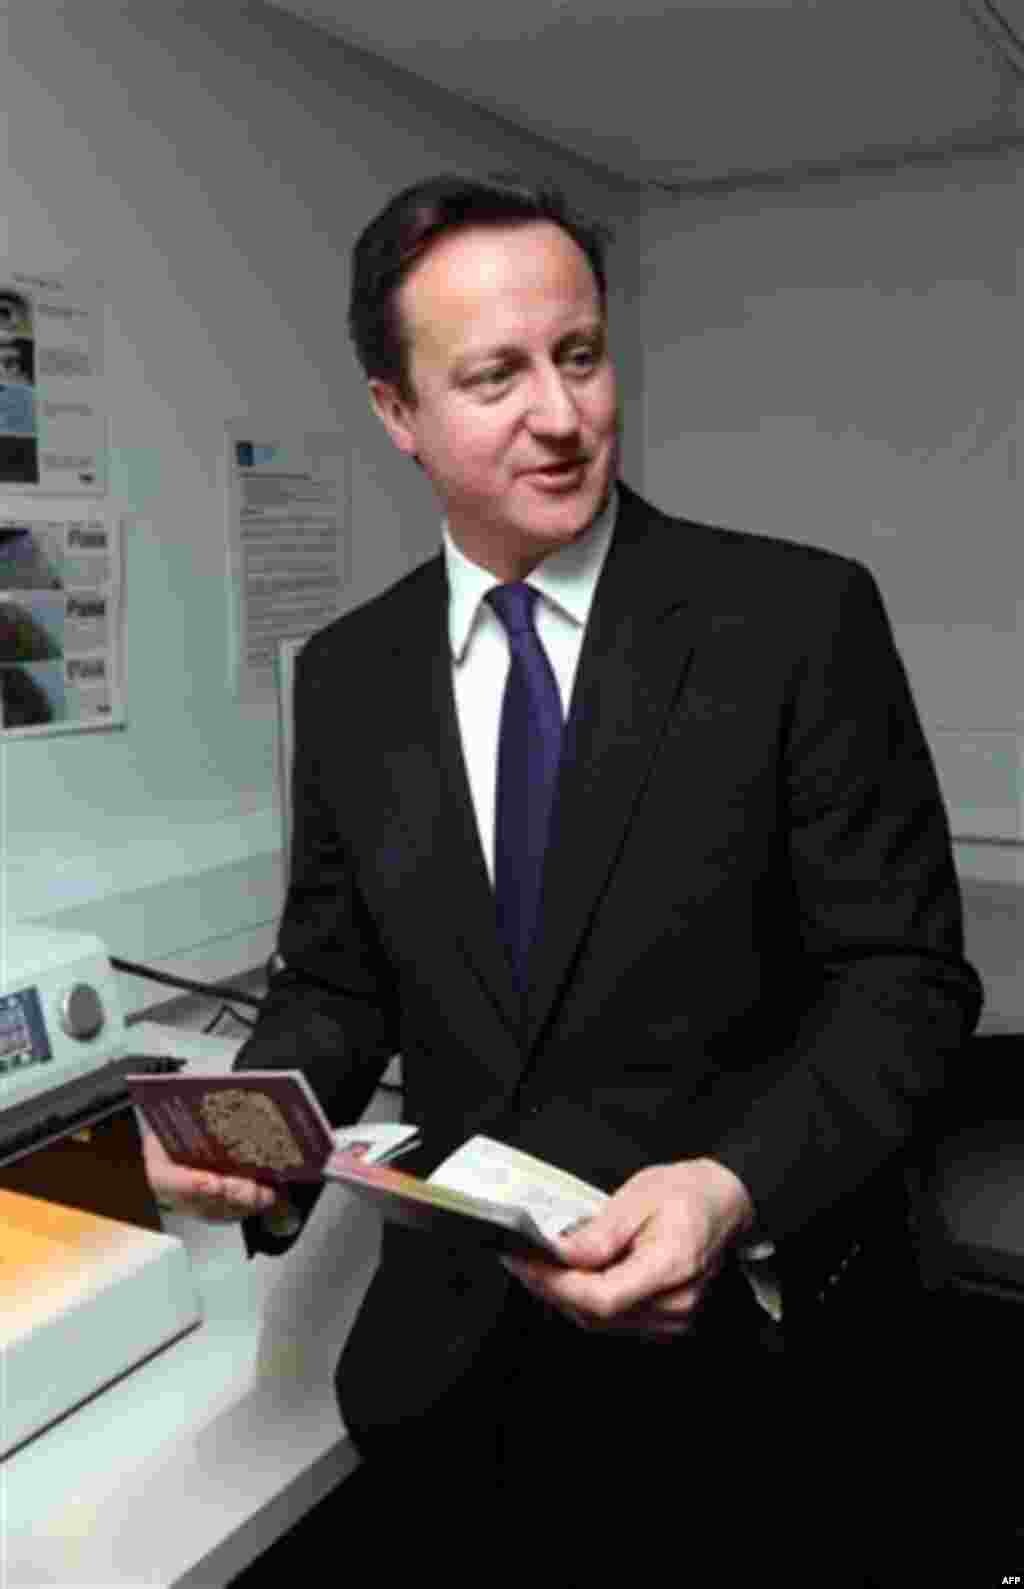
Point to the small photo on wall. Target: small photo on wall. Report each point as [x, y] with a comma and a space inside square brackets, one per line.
[31, 628]
[18, 362]
[33, 695]
[19, 459]
[17, 410]
[31, 557]
[19, 445]
[15, 315]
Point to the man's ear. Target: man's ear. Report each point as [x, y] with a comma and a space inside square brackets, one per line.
[393, 412]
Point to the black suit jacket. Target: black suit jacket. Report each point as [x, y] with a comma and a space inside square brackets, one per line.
[750, 939]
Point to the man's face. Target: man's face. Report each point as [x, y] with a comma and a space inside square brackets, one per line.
[515, 421]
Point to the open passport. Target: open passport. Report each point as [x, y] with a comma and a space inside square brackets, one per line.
[268, 1126]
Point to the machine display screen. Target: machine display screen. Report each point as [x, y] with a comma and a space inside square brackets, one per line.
[23, 1039]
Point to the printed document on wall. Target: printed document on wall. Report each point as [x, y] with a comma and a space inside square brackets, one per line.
[52, 411]
[60, 620]
[287, 544]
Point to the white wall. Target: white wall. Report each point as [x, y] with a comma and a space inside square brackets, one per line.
[211, 163]
[840, 363]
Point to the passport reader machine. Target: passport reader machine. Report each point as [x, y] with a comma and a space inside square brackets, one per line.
[90, 1285]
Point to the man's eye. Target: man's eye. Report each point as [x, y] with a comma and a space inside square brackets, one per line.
[491, 377]
[584, 358]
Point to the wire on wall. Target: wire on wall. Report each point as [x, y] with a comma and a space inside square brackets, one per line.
[1000, 31]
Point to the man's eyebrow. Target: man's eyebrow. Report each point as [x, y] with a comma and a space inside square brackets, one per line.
[502, 351]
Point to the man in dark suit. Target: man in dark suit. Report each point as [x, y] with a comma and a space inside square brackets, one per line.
[741, 979]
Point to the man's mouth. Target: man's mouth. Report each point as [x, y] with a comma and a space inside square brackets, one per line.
[554, 471]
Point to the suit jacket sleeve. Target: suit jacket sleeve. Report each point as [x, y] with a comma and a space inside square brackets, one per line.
[890, 996]
[331, 1009]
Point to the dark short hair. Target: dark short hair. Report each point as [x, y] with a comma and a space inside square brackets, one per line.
[396, 239]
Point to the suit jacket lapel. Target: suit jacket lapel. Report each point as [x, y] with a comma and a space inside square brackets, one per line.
[439, 815]
[635, 657]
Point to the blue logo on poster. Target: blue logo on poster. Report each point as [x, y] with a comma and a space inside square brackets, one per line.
[251, 454]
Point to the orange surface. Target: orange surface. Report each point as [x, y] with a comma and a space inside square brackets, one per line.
[37, 1236]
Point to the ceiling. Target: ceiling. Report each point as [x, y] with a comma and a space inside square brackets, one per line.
[682, 94]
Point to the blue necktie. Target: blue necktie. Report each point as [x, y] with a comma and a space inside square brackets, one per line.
[529, 749]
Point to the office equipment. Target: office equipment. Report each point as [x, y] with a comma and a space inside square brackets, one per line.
[63, 1045]
[90, 1286]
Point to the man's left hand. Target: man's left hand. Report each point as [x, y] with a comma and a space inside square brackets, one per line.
[643, 1264]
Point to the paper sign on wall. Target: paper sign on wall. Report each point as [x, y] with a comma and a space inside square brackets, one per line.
[286, 543]
[52, 414]
[60, 621]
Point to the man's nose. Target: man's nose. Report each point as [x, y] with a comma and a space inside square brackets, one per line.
[552, 408]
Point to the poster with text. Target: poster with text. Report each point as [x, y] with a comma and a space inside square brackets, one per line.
[287, 547]
[52, 416]
[60, 622]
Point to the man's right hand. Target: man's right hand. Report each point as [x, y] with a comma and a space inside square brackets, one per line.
[216, 1198]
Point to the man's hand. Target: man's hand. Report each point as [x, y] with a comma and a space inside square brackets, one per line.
[642, 1265]
[216, 1198]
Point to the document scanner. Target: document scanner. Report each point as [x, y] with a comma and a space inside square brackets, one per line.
[90, 1285]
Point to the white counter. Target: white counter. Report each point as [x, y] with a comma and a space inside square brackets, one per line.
[183, 1472]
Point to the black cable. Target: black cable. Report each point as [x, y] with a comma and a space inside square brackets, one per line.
[209, 990]
[215, 991]
[1001, 31]
[996, 13]
[225, 1009]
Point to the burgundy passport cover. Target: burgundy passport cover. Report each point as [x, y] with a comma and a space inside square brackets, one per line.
[264, 1124]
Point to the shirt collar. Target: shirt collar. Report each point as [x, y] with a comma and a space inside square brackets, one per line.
[567, 578]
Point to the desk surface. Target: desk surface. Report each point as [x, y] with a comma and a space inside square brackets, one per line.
[178, 1474]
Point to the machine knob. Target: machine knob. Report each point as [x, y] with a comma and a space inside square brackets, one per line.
[81, 1011]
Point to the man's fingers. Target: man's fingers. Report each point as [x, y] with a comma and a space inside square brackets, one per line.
[599, 1241]
[627, 1300]
[236, 1196]
[213, 1197]
[645, 1283]
[646, 1273]
[201, 1193]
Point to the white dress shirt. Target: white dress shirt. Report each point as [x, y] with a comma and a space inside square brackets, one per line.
[566, 581]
